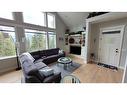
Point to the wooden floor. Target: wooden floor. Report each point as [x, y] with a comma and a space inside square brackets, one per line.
[87, 73]
[92, 73]
[11, 77]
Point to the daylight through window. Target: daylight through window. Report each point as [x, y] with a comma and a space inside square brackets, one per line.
[52, 39]
[36, 40]
[37, 18]
[7, 41]
[51, 21]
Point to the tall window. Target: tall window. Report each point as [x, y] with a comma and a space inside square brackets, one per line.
[37, 18]
[6, 15]
[51, 20]
[7, 41]
[36, 40]
[52, 39]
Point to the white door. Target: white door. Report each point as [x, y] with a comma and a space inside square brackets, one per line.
[110, 47]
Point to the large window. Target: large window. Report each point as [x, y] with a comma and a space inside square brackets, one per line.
[7, 41]
[52, 39]
[36, 40]
[51, 20]
[37, 18]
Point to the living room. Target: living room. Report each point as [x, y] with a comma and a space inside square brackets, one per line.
[61, 47]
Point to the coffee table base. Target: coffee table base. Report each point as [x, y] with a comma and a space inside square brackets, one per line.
[65, 66]
[65, 61]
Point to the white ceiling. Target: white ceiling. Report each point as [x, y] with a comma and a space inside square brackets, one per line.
[73, 19]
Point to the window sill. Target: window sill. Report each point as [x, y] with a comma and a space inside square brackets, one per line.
[8, 57]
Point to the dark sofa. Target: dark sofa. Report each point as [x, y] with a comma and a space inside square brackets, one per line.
[39, 61]
[48, 56]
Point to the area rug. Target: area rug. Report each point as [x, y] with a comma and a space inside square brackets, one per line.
[68, 71]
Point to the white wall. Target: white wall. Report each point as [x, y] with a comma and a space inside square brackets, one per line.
[94, 36]
[95, 29]
[8, 64]
[60, 31]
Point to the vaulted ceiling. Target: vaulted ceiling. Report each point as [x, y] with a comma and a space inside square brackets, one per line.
[73, 19]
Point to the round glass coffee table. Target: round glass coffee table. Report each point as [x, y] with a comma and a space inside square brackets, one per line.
[70, 79]
[65, 61]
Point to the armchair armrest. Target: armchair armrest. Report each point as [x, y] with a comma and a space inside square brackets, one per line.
[32, 70]
[55, 78]
[32, 79]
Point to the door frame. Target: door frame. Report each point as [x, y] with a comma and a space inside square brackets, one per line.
[125, 71]
[114, 28]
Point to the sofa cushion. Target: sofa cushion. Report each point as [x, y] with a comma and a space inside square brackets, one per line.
[50, 52]
[38, 60]
[36, 55]
[42, 53]
[29, 68]
[50, 59]
[40, 65]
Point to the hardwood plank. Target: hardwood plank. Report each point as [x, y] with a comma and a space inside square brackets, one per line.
[87, 73]
[11, 77]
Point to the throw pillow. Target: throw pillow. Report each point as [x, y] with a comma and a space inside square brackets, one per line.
[60, 51]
